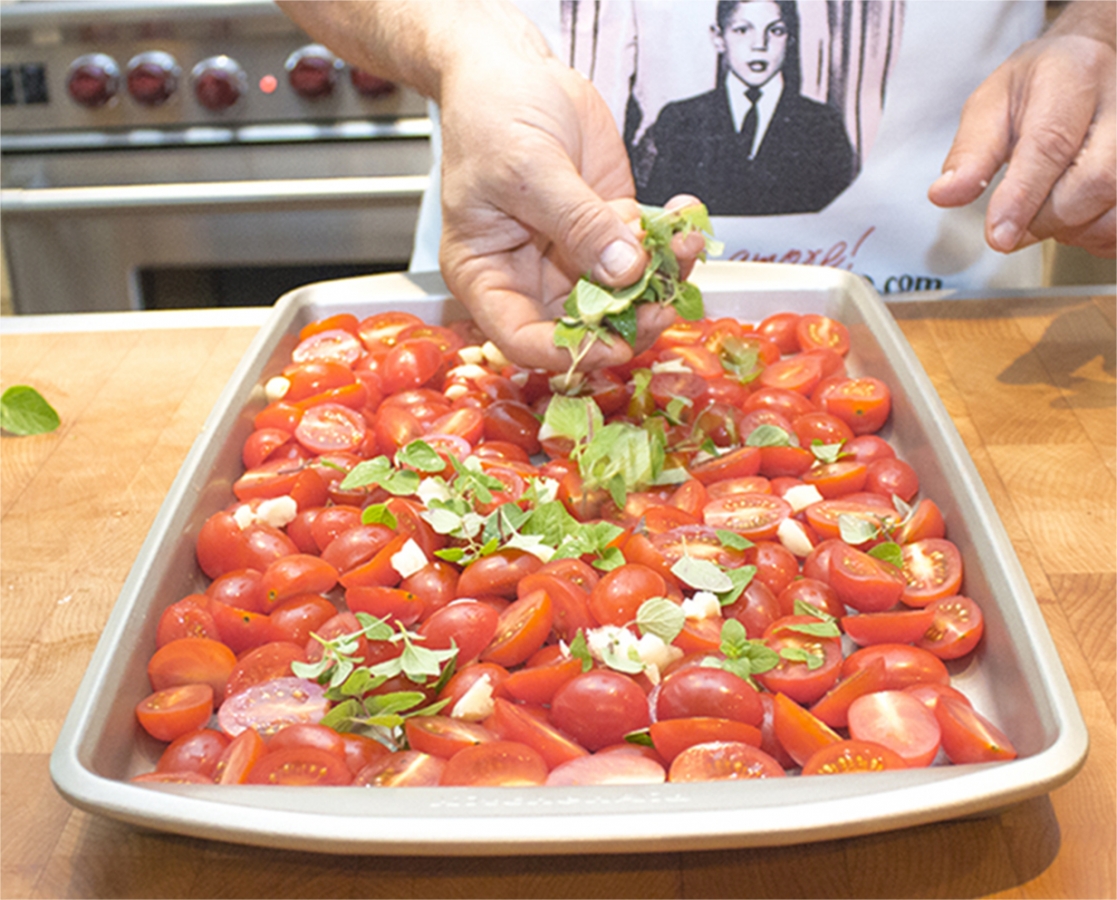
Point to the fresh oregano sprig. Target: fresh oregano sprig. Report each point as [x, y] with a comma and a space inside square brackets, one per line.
[595, 312]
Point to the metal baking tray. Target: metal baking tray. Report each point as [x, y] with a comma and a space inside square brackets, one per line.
[1015, 677]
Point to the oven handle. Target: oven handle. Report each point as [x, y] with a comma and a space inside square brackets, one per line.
[205, 196]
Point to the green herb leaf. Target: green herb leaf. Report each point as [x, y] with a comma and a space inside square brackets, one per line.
[624, 324]
[662, 617]
[580, 650]
[768, 436]
[732, 540]
[701, 574]
[23, 410]
[643, 738]
[855, 530]
[378, 514]
[421, 456]
[889, 552]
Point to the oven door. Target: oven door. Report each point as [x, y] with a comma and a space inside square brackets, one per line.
[120, 229]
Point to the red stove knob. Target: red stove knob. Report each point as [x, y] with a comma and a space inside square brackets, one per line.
[219, 82]
[312, 71]
[152, 77]
[93, 80]
[371, 85]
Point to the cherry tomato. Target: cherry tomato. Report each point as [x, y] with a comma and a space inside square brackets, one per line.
[496, 763]
[853, 756]
[297, 617]
[932, 570]
[904, 664]
[600, 707]
[521, 629]
[800, 732]
[905, 626]
[299, 766]
[892, 478]
[723, 761]
[466, 624]
[672, 736]
[956, 627]
[410, 364]
[237, 759]
[813, 331]
[332, 345]
[862, 403]
[172, 712]
[299, 573]
[186, 618]
[404, 768]
[263, 663]
[192, 660]
[754, 516]
[616, 598]
[443, 736]
[382, 330]
[969, 737]
[809, 663]
[194, 751]
[526, 725]
[740, 463]
[900, 722]
[271, 705]
[607, 768]
[498, 573]
[863, 582]
[708, 691]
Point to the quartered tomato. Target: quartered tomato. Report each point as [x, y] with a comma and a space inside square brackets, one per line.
[863, 404]
[900, 722]
[968, 736]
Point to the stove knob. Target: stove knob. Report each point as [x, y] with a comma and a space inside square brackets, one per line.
[312, 71]
[371, 85]
[152, 77]
[219, 82]
[93, 80]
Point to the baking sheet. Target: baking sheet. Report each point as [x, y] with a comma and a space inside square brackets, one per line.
[1015, 676]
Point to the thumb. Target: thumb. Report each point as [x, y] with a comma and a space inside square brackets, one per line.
[981, 146]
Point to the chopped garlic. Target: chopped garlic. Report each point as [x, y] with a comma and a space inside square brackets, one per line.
[472, 354]
[520, 378]
[655, 654]
[432, 489]
[244, 516]
[476, 703]
[277, 511]
[703, 605]
[276, 388]
[410, 559]
[456, 390]
[671, 365]
[794, 538]
[801, 496]
[467, 372]
[494, 356]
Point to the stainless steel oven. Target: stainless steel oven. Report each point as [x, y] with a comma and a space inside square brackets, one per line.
[190, 153]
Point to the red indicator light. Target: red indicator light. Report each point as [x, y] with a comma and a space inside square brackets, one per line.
[268, 84]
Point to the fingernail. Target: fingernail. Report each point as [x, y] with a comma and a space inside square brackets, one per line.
[618, 258]
[1005, 235]
[944, 178]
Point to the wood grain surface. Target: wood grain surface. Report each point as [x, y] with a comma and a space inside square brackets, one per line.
[1029, 382]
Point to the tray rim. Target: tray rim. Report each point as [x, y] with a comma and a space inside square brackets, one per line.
[964, 791]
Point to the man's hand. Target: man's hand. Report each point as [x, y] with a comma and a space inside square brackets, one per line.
[536, 185]
[1048, 112]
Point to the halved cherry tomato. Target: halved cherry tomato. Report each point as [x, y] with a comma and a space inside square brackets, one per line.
[956, 627]
[195, 751]
[968, 736]
[192, 661]
[903, 664]
[381, 331]
[496, 764]
[813, 331]
[607, 768]
[332, 345]
[187, 617]
[443, 736]
[905, 626]
[271, 705]
[300, 766]
[862, 403]
[723, 761]
[330, 428]
[404, 768]
[237, 760]
[263, 663]
[863, 582]
[172, 712]
[672, 736]
[932, 569]
[809, 663]
[754, 516]
[853, 756]
[900, 722]
[513, 722]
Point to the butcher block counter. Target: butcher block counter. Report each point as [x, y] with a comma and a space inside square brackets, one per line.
[1028, 379]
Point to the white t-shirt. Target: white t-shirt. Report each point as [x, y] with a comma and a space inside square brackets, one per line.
[870, 96]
